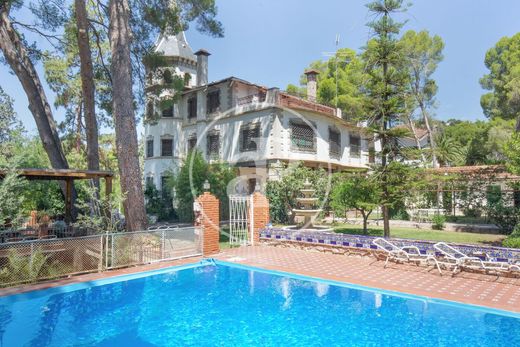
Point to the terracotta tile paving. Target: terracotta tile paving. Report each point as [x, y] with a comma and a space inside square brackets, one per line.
[96, 276]
[478, 289]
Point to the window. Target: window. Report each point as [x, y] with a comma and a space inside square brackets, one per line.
[213, 101]
[249, 135]
[302, 137]
[149, 148]
[334, 143]
[371, 155]
[187, 79]
[149, 181]
[213, 143]
[166, 147]
[192, 143]
[192, 107]
[149, 110]
[168, 112]
[167, 77]
[355, 146]
[164, 183]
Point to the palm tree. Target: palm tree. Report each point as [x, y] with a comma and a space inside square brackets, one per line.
[447, 151]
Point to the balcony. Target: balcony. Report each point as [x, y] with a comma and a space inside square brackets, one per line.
[251, 99]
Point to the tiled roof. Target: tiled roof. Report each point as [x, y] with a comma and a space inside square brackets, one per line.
[421, 132]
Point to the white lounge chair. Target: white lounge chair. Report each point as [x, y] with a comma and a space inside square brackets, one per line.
[461, 260]
[407, 253]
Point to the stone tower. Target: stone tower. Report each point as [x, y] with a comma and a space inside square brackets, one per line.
[162, 151]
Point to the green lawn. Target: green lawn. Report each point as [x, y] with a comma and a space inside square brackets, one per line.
[424, 234]
[224, 239]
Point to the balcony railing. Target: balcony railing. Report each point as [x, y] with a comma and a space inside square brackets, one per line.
[251, 99]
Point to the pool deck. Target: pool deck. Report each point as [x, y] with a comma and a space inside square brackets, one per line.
[477, 289]
[470, 288]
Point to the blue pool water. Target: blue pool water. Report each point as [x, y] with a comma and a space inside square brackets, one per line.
[220, 305]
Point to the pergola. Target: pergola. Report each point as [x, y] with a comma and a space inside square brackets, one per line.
[68, 176]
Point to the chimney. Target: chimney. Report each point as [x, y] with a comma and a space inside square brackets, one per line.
[202, 67]
[312, 84]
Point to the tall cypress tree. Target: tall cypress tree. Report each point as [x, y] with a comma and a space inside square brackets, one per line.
[385, 89]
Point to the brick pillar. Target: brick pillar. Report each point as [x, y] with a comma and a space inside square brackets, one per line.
[260, 215]
[208, 218]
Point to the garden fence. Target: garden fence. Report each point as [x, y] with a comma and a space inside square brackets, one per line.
[35, 260]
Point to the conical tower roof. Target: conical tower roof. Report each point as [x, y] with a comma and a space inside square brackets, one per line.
[174, 46]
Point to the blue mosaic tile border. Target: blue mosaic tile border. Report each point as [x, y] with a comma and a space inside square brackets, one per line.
[365, 242]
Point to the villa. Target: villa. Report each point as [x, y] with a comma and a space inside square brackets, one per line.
[255, 128]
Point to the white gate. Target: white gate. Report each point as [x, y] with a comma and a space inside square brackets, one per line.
[240, 220]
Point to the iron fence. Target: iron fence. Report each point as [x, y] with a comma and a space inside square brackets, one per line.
[44, 232]
[35, 260]
[141, 247]
[29, 261]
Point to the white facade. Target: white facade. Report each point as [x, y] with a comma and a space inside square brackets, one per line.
[248, 126]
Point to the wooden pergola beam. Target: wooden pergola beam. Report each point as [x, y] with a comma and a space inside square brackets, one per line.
[67, 175]
[59, 174]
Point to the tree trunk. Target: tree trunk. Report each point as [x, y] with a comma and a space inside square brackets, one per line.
[79, 114]
[365, 222]
[124, 118]
[87, 88]
[17, 57]
[430, 134]
[417, 141]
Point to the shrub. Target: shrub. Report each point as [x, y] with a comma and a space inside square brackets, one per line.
[190, 180]
[505, 217]
[438, 221]
[511, 242]
[159, 203]
[472, 212]
[399, 214]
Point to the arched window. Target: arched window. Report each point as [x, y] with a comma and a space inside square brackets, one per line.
[187, 79]
[149, 110]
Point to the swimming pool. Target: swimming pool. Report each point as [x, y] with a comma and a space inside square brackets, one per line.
[224, 304]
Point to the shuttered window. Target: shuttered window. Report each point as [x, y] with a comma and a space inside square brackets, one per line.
[213, 101]
[302, 137]
[334, 143]
[166, 147]
[355, 146]
[249, 135]
[213, 144]
[149, 148]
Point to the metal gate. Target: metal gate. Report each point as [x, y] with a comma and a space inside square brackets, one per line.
[240, 219]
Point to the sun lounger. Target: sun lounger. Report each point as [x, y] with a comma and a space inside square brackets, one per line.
[461, 260]
[405, 254]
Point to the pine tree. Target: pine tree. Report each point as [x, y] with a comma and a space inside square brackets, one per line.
[385, 88]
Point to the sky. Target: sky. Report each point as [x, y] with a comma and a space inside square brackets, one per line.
[270, 42]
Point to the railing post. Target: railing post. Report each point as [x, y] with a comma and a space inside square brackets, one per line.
[31, 258]
[162, 244]
[106, 250]
[100, 264]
